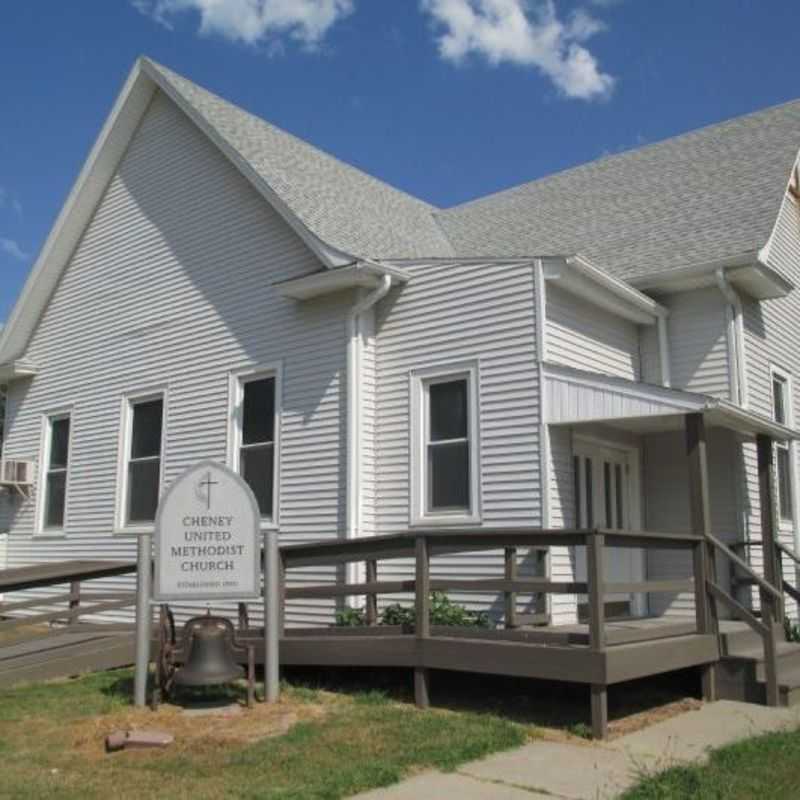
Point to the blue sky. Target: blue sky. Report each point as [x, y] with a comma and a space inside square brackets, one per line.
[447, 99]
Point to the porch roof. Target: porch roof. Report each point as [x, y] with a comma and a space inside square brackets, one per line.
[574, 397]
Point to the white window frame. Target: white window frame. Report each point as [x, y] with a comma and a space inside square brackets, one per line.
[45, 445]
[420, 381]
[237, 381]
[130, 400]
[778, 374]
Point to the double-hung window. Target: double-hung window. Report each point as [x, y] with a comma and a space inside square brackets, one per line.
[445, 473]
[255, 437]
[781, 412]
[56, 461]
[143, 460]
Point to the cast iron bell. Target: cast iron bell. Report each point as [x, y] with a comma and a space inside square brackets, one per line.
[210, 661]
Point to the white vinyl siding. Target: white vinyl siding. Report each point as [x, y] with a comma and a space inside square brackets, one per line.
[666, 504]
[581, 335]
[697, 341]
[771, 333]
[450, 313]
[171, 286]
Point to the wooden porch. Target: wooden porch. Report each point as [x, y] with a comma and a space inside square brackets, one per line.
[597, 654]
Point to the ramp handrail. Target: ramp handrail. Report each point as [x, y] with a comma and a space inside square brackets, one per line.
[770, 601]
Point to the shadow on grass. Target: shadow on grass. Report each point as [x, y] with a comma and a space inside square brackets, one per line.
[559, 705]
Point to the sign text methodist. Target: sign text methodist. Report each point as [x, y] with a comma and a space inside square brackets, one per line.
[207, 538]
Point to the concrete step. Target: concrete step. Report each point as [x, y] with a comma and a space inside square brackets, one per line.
[735, 639]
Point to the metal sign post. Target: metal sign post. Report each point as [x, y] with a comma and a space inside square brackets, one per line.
[143, 617]
[207, 548]
[271, 617]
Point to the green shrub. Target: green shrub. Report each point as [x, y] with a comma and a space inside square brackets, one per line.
[443, 612]
[792, 631]
[350, 617]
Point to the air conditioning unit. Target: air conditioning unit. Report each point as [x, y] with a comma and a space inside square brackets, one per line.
[17, 474]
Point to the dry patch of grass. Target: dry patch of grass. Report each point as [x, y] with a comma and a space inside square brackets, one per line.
[193, 734]
[313, 744]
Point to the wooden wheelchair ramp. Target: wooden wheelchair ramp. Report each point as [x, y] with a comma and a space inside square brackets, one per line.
[62, 653]
[45, 636]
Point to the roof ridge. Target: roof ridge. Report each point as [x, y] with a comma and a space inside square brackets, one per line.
[703, 130]
[170, 74]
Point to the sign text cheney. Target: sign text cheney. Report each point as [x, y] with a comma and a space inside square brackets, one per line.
[207, 538]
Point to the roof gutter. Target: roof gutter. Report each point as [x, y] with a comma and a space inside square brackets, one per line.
[617, 287]
[734, 328]
[632, 296]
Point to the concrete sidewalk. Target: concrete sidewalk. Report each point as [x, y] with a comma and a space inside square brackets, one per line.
[595, 771]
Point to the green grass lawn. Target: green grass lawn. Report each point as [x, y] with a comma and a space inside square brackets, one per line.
[766, 767]
[51, 738]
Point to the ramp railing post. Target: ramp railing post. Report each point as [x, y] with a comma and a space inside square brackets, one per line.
[74, 601]
[511, 596]
[595, 576]
[371, 608]
[422, 624]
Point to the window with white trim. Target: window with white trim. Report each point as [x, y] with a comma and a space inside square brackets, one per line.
[445, 471]
[255, 452]
[143, 460]
[54, 478]
[781, 413]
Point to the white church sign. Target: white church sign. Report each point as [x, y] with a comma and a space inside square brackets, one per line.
[207, 538]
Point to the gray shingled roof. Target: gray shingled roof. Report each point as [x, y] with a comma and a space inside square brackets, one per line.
[710, 194]
[343, 206]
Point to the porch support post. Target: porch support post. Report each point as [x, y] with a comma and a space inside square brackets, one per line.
[595, 575]
[771, 609]
[422, 623]
[766, 497]
[700, 520]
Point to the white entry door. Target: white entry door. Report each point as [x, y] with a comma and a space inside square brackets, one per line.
[606, 487]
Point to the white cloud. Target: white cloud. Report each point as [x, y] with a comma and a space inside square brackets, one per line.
[255, 21]
[526, 33]
[11, 248]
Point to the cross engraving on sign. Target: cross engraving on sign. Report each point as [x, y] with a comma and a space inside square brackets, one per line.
[207, 483]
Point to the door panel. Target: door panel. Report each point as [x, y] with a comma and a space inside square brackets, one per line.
[604, 499]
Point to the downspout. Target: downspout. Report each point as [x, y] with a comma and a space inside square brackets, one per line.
[663, 350]
[735, 336]
[354, 455]
[540, 324]
[541, 357]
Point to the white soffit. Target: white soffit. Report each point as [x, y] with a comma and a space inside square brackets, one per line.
[17, 369]
[327, 281]
[575, 397]
[746, 273]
